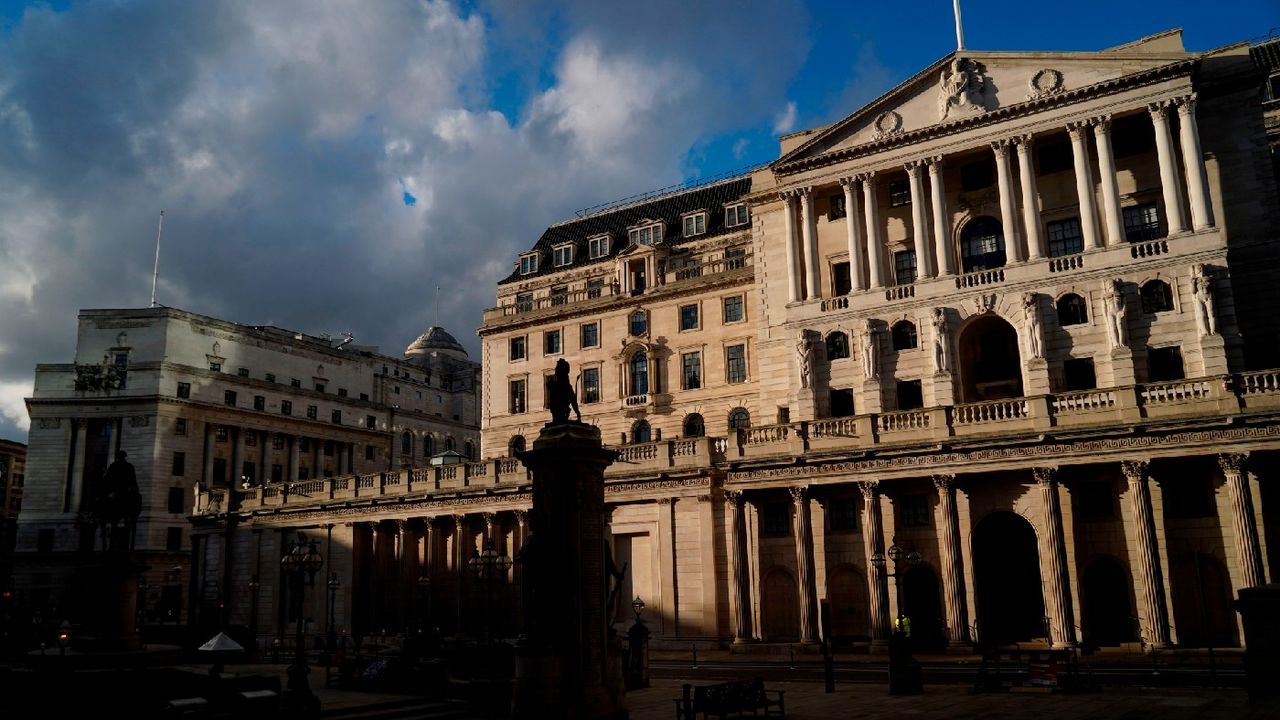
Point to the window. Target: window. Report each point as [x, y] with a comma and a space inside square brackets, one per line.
[977, 175]
[837, 346]
[1072, 310]
[904, 267]
[775, 519]
[295, 382]
[215, 366]
[1094, 500]
[515, 445]
[1065, 237]
[180, 426]
[559, 295]
[551, 342]
[312, 412]
[396, 389]
[739, 419]
[695, 224]
[899, 193]
[562, 255]
[694, 426]
[735, 259]
[638, 323]
[835, 207]
[1054, 157]
[259, 402]
[335, 417]
[179, 464]
[594, 288]
[448, 444]
[286, 407]
[1189, 496]
[591, 385]
[365, 396]
[590, 335]
[598, 247]
[173, 539]
[515, 397]
[648, 235]
[910, 396]
[220, 434]
[270, 377]
[733, 309]
[177, 500]
[1078, 374]
[1164, 364]
[528, 264]
[982, 244]
[843, 514]
[277, 441]
[689, 317]
[406, 443]
[229, 398]
[841, 284]
[639, 373]
[1156, 297]
[242, 372]
[342, 392]
[641, 432]
[915, 510]
[524, 303]
[319, 387]
[1141, 223]
[904, 335]
[251, 438]
[841, 402]
[428, 445]
[515, 348]
[735, 215]
[736, 363]
[691, 374]
[184, 390]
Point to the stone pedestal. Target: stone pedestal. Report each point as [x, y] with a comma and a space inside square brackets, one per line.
[872, 401]
[106, 614]
[1037, 377]
[568, 663]
[1213, 353]
[1122, 372]
[942, 389]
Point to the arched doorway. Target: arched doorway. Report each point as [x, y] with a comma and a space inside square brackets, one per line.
[1106, 607]
[1201, 595]
[1006, 572]
[990, 365]
[922, 605]
[847, 593]
[780, 607]
[981, 244]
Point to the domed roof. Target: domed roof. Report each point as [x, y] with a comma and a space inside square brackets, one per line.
[435, 338]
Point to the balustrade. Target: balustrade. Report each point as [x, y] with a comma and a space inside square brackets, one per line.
[1063, 264]
[900, 292]
[1083, 401]
[844, 427]
[904, 420]
[980, 278]
[637, 400]
[835, 303]
[684, 448]
[1263, 381]
[989, 411]
[1149, 249]
[1174, 392]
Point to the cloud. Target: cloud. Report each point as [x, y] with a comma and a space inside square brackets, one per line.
[12, 406]
[740, 148]
[785, 122]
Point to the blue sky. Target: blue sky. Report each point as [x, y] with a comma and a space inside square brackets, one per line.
[324, 165]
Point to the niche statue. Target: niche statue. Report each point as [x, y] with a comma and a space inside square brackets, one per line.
[560, 394]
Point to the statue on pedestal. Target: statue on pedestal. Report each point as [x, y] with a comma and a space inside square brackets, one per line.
[1035, 332]
[560, 394]
[118, 501]
[870, 352]
[1117, 330]
[941, 343]
[804, 358]
[1202, 292]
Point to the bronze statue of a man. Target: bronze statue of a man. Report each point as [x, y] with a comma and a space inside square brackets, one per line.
[560, 394]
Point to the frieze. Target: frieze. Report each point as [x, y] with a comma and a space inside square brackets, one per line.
[696, 482]
[49, 423]
[400, 508]
[139, 421]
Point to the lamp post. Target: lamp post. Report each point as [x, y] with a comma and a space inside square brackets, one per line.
[424, 600]
[489, 566]
[904, 674]
[331, 637]
[637, 675]
[300, 564]
[254, 587]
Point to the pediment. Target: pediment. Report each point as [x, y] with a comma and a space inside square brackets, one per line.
[964, 85]
[638, 250]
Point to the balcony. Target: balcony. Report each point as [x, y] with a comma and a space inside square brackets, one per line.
[664, 455]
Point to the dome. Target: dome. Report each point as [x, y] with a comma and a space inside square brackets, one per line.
[435, 338]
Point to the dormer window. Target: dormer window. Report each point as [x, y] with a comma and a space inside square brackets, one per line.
[562, 255]
[647, 235]
[735, 215]
[598, 247]
[529, 264]
[695, 224]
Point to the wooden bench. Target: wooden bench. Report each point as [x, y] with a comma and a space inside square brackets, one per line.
[730, 700]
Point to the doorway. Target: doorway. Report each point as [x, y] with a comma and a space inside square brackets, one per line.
[780, 607]
[1107, 608]
[990, 365]
[924, 608]
[1006, 570]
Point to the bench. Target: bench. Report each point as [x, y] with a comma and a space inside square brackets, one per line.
[730, 699]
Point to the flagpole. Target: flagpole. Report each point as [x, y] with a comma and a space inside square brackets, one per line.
[155, 271]
[959, 27]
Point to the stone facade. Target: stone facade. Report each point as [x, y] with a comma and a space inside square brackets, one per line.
[13, 472]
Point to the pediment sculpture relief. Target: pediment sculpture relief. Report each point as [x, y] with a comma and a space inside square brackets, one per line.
[1045, 83]
[963, 89]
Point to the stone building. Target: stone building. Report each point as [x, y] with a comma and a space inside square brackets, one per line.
[13, 463]
[200, 404]
[1014, 318]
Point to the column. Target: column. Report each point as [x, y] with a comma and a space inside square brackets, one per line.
[264, 457]
[952, 562]
[1030, 200]
[1008, 216]
[738, 562]
[81, 430]
[851, 217]
[1057, 586]
[374, 613]
[1149, 576]
[875, 241]
[236, 470]
[342, 459]
[878, 592]
[1243, 521]
[209, 430]
[489, 524]
[804, 566]
[428, 544]
[1193, 163]
[670, 601]
[1107, 175]
[813, 289]
[459, 563]
[919, 220]
[793, 262]
[1084, 185]
[941, 219]
[1168, 168]
[292, 474]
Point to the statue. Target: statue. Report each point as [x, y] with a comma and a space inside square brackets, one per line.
[118, 501]
[1117, 330]
[560, 394]
[804, 358]
[1035, 332]
[870, 352]
[613, 576]
[1202, 291]
[941, 343]
[961, 87]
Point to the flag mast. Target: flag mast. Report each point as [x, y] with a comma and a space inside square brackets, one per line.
[155, 271]
[959, 27]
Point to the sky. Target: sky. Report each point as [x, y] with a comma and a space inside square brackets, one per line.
[324, 166]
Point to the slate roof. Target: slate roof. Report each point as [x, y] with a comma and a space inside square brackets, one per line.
[668, 208]
[1266, 54]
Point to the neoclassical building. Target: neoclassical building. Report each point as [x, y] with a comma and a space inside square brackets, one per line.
[1014, 318]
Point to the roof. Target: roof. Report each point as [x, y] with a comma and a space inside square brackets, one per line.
[615, 221]
[435, 338]
[1266, 54]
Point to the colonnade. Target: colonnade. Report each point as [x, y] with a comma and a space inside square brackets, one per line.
[258, 446]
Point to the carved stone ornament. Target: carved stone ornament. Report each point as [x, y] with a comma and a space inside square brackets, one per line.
[49, 423]
[217, 348]
[985, 303]
[962, 89]
[887, 124]
[139, 421]
[1045, 83]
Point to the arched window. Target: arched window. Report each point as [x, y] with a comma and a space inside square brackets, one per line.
[837, 346]
[904, 335]
[515, 445]
[982, 244]
[1156, 297]
[1072, 310]
[406, 443]
[468, 450]
[640, 432]
[693, 426]
[640, 373]
[448, 444]
[428, 445]
[739, 419]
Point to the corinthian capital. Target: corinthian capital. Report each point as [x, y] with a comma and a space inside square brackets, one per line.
[870, 489]
[1135, 470]
[1233, 463]
[944, 483]
[1045, 475]
[1186, 105]
[914, 167]
[1159, 109]
[1078, 130]
[799, 494]
[734, 497]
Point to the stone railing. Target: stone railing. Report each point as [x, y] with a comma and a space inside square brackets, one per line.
[1083, 401]
[990, 411]
[1263, 381]
[555, 300]
[1174, 392]
[1149, 249]
[980, 278]
[1068, 262]
[705, 267]
[903, 420]
[666, 454]
[840, 302]
[900, 292]
[637, 400]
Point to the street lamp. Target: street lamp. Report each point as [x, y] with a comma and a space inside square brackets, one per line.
[637, 675]
[300, 564]
[331, 636]
[904, 678]
[64, 637]
[424, 594]
[254, 587]
[489, 566]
